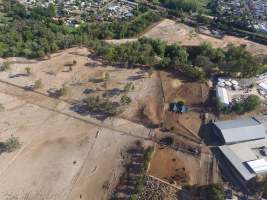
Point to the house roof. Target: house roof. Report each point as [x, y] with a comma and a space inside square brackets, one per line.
[241, 130]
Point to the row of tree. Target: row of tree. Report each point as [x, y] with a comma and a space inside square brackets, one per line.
[233, 60]
[122, 29]
[197, 63]
[32, 33]
[185, 5]
[252, 102]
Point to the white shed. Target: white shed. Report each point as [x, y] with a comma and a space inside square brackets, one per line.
[222, 95]
[263, 85]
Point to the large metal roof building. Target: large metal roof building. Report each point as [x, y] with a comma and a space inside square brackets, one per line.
[241, 130]
[237, 163]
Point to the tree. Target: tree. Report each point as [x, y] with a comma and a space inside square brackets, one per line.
[239, 60]
[28, 71]
[102, 106]
[106, 77]
[125, 100]
[252, 102]
[12, 144]
[62, 91]
[6, 66]
[215, 192]
[181, 103]
[37, 84]
[249, 104]
[177, 54]
[127, 87]
[205, 63]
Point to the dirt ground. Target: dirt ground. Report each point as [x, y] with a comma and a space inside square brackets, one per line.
[192, 93]
[173, 32]
[85, 74]
[173, 167]
[64, 155]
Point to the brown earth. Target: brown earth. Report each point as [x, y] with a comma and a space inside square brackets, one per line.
[80, 152]
[173, 32]
[173, 167]
[64, 155]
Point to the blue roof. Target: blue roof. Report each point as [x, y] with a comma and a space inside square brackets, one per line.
[175, 107]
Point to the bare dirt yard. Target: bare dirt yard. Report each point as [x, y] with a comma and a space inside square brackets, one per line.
[61, 157]
[180, 161]
[85, 78]
[173, 32]
[173, 167]
[194, 94]
[64, 155]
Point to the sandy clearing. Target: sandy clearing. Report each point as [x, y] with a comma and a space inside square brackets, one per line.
[168, 163]
[61, 157]
[173, 32]
[77, 81]
[64, 155]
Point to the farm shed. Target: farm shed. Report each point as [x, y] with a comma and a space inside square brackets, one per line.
[241, 130]
[221, 93]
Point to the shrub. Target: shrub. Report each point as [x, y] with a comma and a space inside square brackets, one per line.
[6, 66]
[2, 108]
[125, 100]
[249, 104]
[106, 76]
[37, 84]
[134, 197]
[127, 87]
[101, 106]
[28, 71]
[215, 192]
[12, 144]
[62, 91]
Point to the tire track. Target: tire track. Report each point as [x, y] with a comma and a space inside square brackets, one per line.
[20, 93]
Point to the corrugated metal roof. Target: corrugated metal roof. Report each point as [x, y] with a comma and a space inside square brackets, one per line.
[241, 130]
[222, 95]
[258, 166]
[263, 85]
[237, 163]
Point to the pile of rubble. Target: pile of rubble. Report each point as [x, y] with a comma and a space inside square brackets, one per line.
[157, 190]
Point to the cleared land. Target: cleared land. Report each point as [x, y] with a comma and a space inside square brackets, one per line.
[69, 155]
[64, 155]
[173, 32]
[174, 170]
[60, 158]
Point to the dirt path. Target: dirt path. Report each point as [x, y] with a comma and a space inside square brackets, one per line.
[49, 103]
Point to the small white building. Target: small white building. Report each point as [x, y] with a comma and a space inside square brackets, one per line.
[221, 93]
[263, 85]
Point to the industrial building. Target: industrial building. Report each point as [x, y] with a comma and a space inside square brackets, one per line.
[241, 130]
[243, 155]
